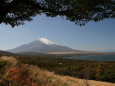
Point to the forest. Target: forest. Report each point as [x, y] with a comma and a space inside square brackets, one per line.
[91, 70]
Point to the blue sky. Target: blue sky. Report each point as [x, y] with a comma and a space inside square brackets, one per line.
[99, 36]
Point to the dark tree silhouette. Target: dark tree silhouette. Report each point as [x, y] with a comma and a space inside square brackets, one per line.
[15, 12]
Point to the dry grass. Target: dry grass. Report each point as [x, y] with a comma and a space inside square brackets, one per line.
[48, 78]
[69, 52]
[38, 77]
[78, 53]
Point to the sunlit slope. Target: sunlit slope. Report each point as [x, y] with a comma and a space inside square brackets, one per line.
[14, 73]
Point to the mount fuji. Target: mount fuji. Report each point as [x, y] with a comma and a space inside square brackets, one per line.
[41, 45]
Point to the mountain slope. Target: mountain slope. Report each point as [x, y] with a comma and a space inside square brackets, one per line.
[41, 45]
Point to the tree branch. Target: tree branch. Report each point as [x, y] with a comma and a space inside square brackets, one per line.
[7, 8]
[37, 6]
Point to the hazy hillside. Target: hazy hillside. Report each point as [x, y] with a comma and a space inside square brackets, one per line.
[41, 45]
[2, 53]
[14, 73]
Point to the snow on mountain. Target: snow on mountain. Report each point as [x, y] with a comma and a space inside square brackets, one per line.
[41, 45]
[46, 41]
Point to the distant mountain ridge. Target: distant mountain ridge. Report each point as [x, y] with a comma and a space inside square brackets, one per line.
[41, 45]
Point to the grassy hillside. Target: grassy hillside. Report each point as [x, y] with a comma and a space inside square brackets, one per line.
[14, 73]
[92, 70]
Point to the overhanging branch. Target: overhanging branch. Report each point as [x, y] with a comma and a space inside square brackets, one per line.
[38, 7]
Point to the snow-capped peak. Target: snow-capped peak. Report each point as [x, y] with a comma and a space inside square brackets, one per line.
[46, 41]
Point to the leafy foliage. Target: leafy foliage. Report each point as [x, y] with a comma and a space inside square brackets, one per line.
[15, 12]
